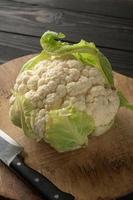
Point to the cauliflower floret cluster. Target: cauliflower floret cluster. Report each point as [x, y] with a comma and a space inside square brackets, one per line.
[66, 94]
[58, 83]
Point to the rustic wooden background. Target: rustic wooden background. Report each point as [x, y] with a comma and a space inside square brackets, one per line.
[109, 23]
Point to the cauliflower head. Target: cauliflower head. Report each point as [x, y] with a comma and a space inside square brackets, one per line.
[63, 96]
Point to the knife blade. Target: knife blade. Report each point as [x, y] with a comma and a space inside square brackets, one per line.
[10, 154]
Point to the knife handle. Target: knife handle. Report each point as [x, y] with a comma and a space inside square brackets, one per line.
[126, 197]
[45, 187]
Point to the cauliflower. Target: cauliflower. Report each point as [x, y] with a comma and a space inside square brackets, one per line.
[61, 99]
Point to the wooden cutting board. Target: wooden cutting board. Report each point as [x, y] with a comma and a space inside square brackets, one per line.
[103, 170]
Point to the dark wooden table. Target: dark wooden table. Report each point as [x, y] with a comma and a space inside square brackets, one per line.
[109, 23]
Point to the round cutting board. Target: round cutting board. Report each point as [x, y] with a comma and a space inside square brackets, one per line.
[103, 170]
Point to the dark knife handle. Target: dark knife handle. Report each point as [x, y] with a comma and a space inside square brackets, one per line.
[45, 187]
[126, 197]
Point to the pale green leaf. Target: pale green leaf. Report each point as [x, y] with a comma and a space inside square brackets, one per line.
[68, 129]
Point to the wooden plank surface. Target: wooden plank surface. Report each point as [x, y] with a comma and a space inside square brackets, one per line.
[21, 25]
[14, 45]
[103, 170]
[34, 20]
[119, 8]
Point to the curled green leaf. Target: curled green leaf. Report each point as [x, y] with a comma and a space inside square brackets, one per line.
[84, 51]
[30, 64]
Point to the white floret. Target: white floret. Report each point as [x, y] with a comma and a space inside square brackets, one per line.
[84, 84]
[102, 110]
[80, 103]
[80, 87]
[53, 101]
[41, 81]
[53, 72]
[68, 79]
[66, 70]
[71, 99]
[40, 104]
[97, 80]
[52, 85]
[32, 82]
[85, 72]
[58, 83]
[41, 67]
[18, 80]
[65, 103]
[43, 91]
[72, 88]
[98, 91]
[93, 72]
[32, 96]
[75, 64]
[22, 88]
[61, 90]
[74, 74]
[25, 78]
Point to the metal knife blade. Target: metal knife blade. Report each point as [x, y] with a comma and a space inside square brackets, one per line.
[10, 154]
[9, 148]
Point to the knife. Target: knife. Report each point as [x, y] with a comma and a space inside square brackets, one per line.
[126, 197]
[10, 154]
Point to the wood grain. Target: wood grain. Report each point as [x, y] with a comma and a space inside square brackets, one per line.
[22, 23]
[14, 45]
[119, 8]
[103, 170]
[34, 20]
